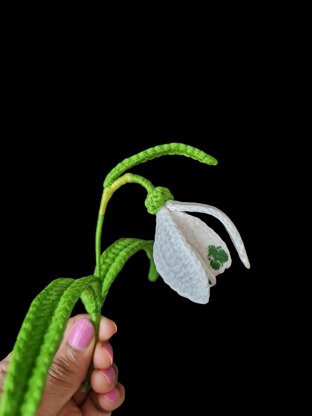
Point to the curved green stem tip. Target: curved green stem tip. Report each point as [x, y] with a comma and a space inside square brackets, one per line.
[158, 151]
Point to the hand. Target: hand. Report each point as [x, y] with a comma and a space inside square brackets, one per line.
[63, 396]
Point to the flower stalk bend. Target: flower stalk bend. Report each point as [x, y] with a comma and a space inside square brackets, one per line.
[108, 192]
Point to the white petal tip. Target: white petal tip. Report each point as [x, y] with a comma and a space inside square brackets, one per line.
[246, 263]
[199, 301]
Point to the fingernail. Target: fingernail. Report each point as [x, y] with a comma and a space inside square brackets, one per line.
[81, 334]
[115, 327]
[109, 374]
[113, 395]
[109, 351]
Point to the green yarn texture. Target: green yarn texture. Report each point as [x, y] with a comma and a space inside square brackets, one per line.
[158, 151]
[156, 199]
[43, 327]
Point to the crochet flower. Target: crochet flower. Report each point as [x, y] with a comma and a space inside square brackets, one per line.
[188, 254]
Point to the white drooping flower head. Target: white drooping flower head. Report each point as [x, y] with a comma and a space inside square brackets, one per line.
[188, 254]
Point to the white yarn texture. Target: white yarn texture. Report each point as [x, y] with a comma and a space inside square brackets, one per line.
[181, 248]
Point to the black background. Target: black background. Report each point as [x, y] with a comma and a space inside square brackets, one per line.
[62, 138]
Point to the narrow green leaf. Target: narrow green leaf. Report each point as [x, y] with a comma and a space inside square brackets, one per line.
[155, 152]
[38, 341]
[116, 255]
[28, 345]
[92, 299]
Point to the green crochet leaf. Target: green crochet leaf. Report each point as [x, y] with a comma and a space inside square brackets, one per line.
[38, 341]
[45, 322]
[116, 255]
[30, 337]
[92, 299]
[158, 151]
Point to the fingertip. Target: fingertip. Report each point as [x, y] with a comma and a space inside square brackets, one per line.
[113, 399]
[107, 402]
[104, 380]
[107, 328]
[103, 356]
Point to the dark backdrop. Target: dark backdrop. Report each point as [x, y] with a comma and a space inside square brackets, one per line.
[60, 142]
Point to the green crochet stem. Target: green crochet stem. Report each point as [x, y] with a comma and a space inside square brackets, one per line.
[43, 327]
[106, 196]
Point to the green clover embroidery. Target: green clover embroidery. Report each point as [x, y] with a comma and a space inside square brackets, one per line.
[217, 257]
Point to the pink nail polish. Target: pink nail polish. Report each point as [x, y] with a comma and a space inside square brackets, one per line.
[113, 395]
[109, 351]
[81, 334]
[109, 374]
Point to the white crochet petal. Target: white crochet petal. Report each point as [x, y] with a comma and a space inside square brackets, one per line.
[217, 213]
[177, 262]
[203, 240]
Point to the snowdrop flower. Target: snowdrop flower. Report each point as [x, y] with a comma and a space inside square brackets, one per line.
[188, 254]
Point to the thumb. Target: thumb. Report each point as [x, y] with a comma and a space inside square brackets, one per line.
[3, 370]
[70, 364]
